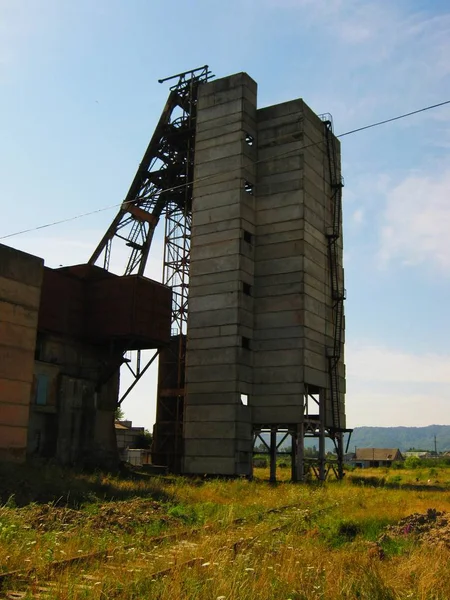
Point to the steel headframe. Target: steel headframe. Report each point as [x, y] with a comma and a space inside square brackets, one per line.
[162, 187]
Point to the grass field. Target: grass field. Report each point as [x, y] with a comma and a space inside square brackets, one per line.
[168, 538]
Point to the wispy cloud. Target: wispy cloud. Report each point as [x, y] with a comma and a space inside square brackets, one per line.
[60, 250]
[387, 386]
[416, 222]
[358, 216]
[380, 57]
[377, 363]
[21, 20]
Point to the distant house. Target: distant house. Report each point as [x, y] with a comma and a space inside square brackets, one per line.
[376, 457]
[127, 436]
[138, 456]
[418, 453]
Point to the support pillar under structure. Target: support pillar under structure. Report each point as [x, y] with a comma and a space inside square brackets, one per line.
[322, 469]
[298, 454]
[273, 455]
[339, 444]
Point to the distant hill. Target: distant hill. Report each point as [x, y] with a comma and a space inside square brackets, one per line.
[401, 437]
[390, 437]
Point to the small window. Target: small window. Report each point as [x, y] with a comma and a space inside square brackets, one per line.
[244, 399]
[246, 342]
[248, 237]
[41, 389]
[246, 288]
[249, 187]
[249, 139]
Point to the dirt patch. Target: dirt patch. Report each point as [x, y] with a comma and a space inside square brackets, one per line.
[432, 527]
[126, 516]
[47, 517]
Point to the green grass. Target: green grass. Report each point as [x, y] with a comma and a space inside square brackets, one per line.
[333, 544]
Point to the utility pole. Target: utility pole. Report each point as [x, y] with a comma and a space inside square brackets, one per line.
[435, 447]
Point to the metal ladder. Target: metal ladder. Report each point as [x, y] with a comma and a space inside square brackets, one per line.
[337, 290]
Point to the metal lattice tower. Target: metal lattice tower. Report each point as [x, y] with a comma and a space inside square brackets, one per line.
[162, 188]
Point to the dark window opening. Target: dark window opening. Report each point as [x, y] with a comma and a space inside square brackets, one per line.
[248, 187]
[249, 139]
[248, 237]
[246, 288]
[41, 389]
[246, 343]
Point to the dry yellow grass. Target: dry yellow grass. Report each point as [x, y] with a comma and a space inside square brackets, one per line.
[324, 547]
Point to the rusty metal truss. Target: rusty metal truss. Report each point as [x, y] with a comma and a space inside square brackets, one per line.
[162, 188]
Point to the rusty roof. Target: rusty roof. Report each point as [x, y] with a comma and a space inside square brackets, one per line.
[120, 426]
[378, 454]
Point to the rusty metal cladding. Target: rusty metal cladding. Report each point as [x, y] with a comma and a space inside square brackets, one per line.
[130, 312]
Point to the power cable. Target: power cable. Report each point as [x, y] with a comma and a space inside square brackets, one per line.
[414, 112]
[289, 152]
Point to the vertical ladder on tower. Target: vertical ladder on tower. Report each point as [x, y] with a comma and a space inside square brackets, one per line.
[337, 287]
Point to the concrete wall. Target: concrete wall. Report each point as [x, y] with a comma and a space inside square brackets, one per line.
[72, 418]
[217, 427]
[293, 304]
[127, 436]
[20, 288]
[260, 304]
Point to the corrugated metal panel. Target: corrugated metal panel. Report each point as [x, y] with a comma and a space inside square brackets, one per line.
[62, 304]
[130, 307]
[82, 302]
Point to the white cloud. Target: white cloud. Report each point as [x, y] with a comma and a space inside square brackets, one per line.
[358, 216]
[375, 363]
[381, 58]
[365, 407]
[60, 250]
[416, 222]
[385, 387]
[352, 21]
[18, 21]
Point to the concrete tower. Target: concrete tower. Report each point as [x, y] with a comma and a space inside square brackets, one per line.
[265, 323]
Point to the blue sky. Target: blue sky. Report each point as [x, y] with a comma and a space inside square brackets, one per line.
[79, 100]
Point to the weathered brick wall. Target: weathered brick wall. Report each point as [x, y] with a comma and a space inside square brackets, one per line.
[20, 290]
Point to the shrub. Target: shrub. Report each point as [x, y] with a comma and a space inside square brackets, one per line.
[412, 462]
[398, 464]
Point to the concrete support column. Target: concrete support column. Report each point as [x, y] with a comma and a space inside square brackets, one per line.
[273, 455]
[322, 436]
[340, 455]
[298, 453]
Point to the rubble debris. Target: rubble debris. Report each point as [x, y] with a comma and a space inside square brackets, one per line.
[126, 516]
[432, 527]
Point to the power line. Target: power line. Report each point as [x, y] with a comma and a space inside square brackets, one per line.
[414, 112]
[350, 132]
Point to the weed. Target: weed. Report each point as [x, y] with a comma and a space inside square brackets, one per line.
[334, 543]
[395, 479]
[187, 514]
